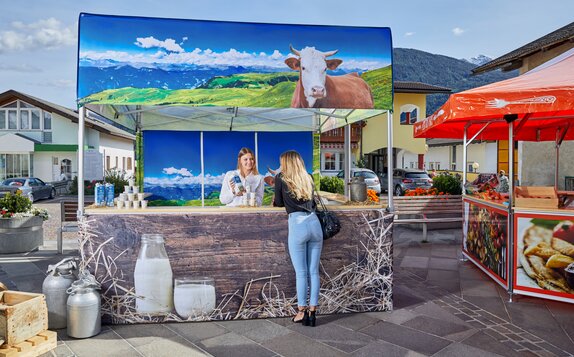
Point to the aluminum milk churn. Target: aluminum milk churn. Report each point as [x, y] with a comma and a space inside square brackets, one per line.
[60, 278]
[84, 319]
[153, 280]
[358, 189]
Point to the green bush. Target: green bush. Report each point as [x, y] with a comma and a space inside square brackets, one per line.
[18, 203]
[118, 177]
[332, 184]
[448, 184]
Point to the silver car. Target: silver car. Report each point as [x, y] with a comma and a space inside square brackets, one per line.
[32, 187]
[371, 178]
[410, 179]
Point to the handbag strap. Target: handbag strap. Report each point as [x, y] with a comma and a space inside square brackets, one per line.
[323, 207]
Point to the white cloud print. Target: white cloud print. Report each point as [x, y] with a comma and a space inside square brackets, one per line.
[173, 171]
[167, 44]
[208, 57]
[181, 181]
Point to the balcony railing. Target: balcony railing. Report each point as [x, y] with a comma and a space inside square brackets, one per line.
[338, 135]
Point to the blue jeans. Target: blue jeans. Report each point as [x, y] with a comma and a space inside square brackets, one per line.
[305, 244]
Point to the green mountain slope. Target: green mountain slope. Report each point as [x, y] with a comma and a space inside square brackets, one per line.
[419, 66]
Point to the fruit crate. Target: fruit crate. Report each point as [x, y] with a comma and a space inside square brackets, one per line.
[22, 316]
[535, 197]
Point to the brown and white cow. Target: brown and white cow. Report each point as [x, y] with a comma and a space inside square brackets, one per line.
[316, 89]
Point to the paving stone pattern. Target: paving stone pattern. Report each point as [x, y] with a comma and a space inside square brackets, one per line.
[442, 307]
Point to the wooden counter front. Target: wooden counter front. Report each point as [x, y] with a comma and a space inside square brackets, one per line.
[245, 251]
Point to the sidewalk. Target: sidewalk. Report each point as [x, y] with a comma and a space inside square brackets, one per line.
[443, 307]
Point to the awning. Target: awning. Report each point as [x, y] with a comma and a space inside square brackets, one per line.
[175, 74]
[542, 101]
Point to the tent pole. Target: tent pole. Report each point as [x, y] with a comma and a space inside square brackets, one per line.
[347, 129]
[202, 169]
[390, 156]
[81, 125]
[464, 158]
[510, 222]
[557, 159]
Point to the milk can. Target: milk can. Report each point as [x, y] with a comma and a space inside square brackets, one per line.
[83, 307]
[60, 278]
[153, 277]
[358, 189]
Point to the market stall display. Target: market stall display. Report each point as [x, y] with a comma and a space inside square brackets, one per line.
[536, 106]
[192, 107]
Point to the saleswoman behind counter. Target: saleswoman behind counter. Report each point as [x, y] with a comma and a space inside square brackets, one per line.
[236, 183]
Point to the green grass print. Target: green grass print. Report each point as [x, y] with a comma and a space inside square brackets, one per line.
[263, 90]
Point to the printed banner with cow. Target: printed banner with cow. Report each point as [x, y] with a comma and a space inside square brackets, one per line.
[150, 61]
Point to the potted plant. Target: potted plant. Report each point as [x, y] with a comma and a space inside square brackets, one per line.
[20, 224]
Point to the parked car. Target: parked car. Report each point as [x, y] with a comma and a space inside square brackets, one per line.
[32, 187]
[410, 179]
[371, 178]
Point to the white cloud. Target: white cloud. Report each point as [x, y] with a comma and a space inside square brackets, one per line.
[457, 31]
[42, 34]
[173, 171]
[60, 83]
[408, 34]
[23, 68]
[151, 42]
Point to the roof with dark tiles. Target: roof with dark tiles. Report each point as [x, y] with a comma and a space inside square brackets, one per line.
[513, 60]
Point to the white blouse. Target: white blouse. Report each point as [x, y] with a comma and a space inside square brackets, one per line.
[255, 183]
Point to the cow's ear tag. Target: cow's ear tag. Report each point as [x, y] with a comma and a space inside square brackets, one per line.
[332, 64]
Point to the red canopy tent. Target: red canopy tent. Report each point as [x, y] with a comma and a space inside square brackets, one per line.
[542, 99]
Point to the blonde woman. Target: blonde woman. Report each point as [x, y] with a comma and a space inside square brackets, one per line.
[247, 175]
[294, 191]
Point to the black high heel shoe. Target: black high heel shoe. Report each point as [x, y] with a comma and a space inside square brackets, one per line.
[311, 318]
[304, 320]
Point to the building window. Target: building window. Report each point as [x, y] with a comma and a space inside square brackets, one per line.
[329, 160]
[332, 161]
[12, 120]
[123, 163]
[116, 163]
[408, 114]
[129, 164]
[15, 165]
[107, 162]
[47, 121]
[19, 115]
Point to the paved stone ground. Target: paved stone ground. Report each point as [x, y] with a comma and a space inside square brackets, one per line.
[443, 307]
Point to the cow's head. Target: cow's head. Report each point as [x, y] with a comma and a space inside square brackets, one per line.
[312, 65]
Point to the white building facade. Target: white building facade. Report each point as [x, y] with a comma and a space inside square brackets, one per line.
[40, 139]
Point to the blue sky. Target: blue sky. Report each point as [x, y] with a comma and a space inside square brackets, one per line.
[38, 38]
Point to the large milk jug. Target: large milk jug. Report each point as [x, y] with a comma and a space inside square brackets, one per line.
[153, 277]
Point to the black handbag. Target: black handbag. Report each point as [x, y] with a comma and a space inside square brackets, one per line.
[330, 224]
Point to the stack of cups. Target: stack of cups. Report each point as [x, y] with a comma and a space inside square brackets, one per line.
[131, 197]
[248, 197]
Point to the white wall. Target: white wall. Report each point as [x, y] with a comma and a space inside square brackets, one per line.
[485, 154]
[64, 131]
[117, 147]
[43, 164]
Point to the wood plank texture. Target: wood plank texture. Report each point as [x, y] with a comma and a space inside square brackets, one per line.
[232, 248]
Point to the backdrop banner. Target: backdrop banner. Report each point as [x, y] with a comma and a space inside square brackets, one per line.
[152, 61]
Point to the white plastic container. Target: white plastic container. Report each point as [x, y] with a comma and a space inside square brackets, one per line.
[143, 204]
